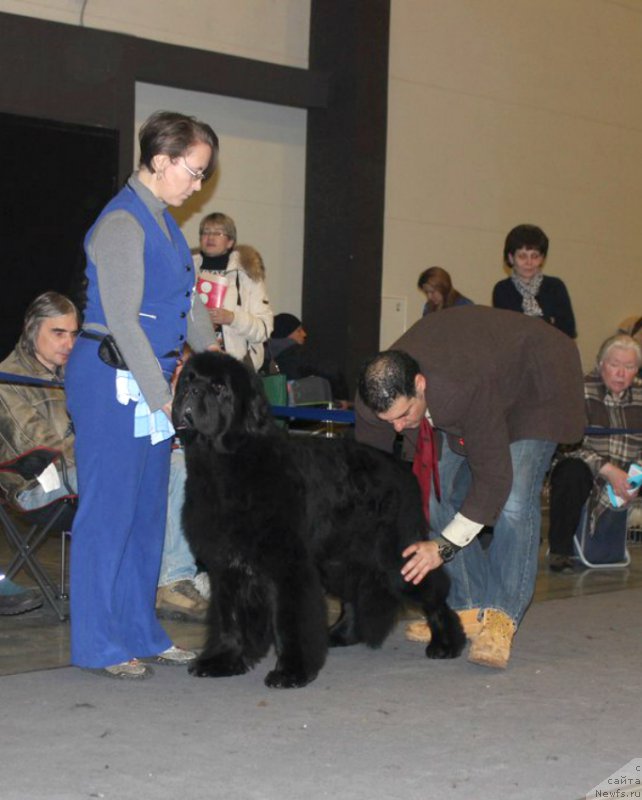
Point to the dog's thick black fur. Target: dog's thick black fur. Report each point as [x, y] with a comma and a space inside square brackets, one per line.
[278, 521]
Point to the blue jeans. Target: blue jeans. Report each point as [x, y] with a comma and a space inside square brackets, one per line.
[178, 562]
[503, 576]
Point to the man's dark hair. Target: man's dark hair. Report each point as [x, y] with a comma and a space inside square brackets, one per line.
[386, 377]
[529, 236]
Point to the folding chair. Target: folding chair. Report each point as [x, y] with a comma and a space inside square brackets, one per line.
[56, 516]
[606, 548]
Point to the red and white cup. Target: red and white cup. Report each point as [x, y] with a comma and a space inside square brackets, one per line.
[212, 290]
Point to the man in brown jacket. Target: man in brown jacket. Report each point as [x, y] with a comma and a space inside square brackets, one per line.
[501, 390]
[36, 416]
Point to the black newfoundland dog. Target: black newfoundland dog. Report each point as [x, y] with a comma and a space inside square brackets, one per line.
[278, 521]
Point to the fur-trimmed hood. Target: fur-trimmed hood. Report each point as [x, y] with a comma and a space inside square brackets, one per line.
[250, 260]
[243, 257]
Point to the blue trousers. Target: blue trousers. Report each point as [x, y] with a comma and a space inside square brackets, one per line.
[503, 576]
[118, 531]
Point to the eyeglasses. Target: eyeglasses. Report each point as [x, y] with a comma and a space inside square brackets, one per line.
[212, 232]
[197, 175]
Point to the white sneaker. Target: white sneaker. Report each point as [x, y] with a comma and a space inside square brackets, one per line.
[127, 670]
[175, 656]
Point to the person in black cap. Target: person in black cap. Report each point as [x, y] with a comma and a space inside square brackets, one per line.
[287, 351]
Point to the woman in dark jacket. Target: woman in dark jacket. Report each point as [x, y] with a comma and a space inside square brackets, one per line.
[528, 290]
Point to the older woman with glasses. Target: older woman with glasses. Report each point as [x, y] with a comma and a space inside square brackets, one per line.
[245, 319]
[139, 312]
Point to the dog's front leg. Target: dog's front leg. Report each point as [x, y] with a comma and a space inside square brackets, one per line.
[300, 629]
[222, 655]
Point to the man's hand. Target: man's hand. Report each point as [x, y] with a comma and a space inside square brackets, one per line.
[422, 558]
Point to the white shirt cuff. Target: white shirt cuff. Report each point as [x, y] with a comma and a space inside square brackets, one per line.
[461, 531]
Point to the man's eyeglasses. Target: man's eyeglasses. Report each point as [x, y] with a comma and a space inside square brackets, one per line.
[197, 175]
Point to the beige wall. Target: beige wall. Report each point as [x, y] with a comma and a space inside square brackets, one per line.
[510, 111]
[268, 30]
[500, 112]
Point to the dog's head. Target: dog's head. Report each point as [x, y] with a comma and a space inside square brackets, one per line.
[218, 398]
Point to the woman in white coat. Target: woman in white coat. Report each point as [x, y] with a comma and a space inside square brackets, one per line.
[245, 320]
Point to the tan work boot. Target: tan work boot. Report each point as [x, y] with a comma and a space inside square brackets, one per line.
[492, 647]
[180, 600]
[469, 617]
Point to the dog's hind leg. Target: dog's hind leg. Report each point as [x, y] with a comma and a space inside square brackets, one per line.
[376, 611]
[343, 632]
[447, 635]
[368, 613]
[300, 630]
[448, 638]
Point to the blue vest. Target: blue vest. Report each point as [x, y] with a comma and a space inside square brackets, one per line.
[169, 277]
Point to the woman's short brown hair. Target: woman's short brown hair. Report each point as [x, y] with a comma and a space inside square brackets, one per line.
[172, 134]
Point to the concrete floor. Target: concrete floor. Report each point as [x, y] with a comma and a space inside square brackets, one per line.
[375, 725]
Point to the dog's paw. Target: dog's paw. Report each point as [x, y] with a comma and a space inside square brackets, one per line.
[442, 650]
[278, 679]
[340, 639]
[217, 667]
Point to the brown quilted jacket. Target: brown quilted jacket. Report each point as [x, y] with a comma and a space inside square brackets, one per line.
[30, 416]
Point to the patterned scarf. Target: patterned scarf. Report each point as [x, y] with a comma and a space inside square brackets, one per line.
[529, 291]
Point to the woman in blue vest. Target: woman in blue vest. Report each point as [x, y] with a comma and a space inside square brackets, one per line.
[139, 313]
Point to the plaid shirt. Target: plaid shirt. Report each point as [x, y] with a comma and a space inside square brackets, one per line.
[603, 410]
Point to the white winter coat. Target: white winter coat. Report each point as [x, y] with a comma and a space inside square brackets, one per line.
[247, 298]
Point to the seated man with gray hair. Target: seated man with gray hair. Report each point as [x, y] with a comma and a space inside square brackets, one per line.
[613, 399]
[34, 416]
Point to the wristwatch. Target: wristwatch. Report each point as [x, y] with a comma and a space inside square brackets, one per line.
[447, 550]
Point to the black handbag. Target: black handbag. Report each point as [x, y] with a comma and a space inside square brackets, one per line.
[109, 353]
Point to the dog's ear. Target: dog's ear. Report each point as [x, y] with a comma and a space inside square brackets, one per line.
[259, 419]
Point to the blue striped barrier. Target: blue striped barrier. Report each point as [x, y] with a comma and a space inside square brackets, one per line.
[342, 416]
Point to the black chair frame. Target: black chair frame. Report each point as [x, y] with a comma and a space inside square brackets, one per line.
[56, 516]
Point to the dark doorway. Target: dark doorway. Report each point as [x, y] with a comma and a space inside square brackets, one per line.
[55, 179]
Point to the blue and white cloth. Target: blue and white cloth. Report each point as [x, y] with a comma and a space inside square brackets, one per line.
[154, 424]
[635, 481]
